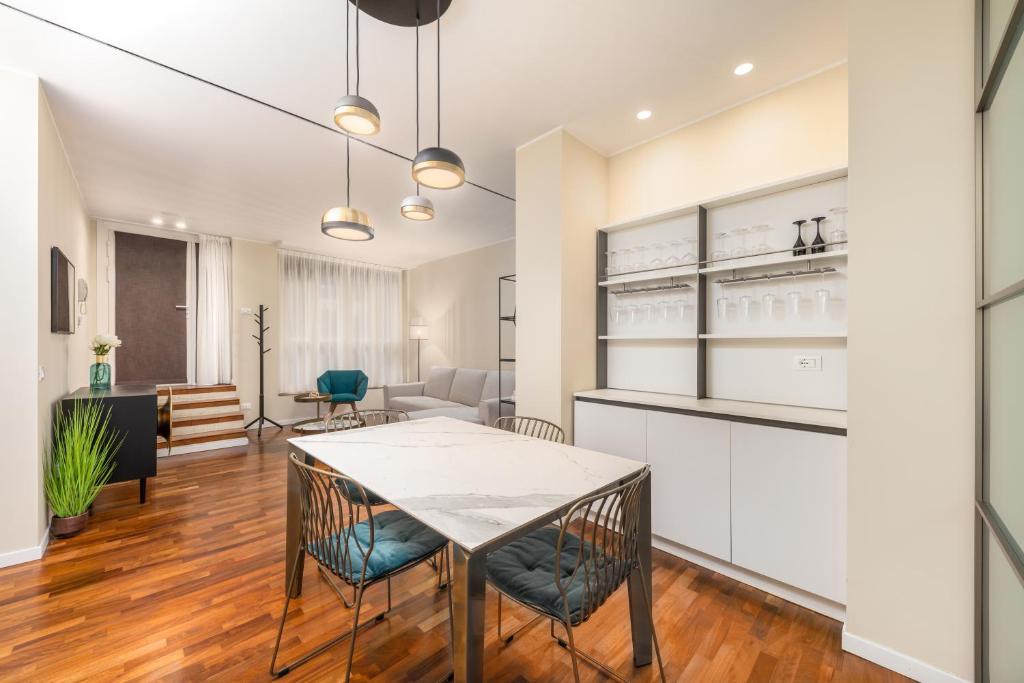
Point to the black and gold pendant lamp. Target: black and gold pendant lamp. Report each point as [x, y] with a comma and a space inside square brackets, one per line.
[355, 114]
[417, 207]
[437, 167]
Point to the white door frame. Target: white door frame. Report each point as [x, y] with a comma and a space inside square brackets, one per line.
[106, 280]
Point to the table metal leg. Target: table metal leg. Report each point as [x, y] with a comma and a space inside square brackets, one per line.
[293, 531]
[639, 617]
[468, 596]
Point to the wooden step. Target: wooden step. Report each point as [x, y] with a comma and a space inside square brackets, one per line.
[206, 419]
[207, 437]
[195, 389]
[205, 403]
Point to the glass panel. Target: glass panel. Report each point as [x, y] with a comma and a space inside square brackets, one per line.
[1004, 429]
[998, 12]
[1005, 622]
[1004, 177]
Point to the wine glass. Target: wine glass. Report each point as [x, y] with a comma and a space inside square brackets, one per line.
[838, 232]
[745, 307]
[762, 247]
[657, 251]
[793, 301]
[674, 259]
[740, 250]
[625, 261]
[640, 257]
[690, 257]
[823, 300]
[721, 250]
[613, 262]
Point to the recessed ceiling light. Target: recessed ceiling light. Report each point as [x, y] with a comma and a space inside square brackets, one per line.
[743, 69]
[643, 114]
[156, 220]
[180, 225]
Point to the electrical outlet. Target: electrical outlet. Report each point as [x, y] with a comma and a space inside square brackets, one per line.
[246, 311]
[246, 406]
[807, 363]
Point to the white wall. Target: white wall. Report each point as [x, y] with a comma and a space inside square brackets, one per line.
[457, 298]
[40, 207]
[911, 330]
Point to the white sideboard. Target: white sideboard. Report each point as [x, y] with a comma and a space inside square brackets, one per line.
[754, 487]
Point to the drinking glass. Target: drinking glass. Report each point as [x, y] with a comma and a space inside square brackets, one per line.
[722, 306]
[769, 303]
[793, 305]
[762, 246]
[690, 257]
[640, 258]
[620, 314]
[664, 310]
[740, 250]
[634, 314]
[745, 310]
[680, 307]
[674, 259]
[647, 313]
[838, 232]
[657, 252]
[823, 297]
[625, 261]
[613, 262]
[721, 250]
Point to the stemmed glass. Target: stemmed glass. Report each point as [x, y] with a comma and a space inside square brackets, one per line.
[721, 250]
[639, 258]
[740, 250]
[793, 301]
[674, 259]
[625, 261]
[613, 262]
[838, 232]
[823, 298]
[657, 251]
[762, 247]
[690, 257]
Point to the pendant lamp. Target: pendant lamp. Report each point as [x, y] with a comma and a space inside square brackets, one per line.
[437, 167]
[345, 222]
[416, 207]
[353, 113]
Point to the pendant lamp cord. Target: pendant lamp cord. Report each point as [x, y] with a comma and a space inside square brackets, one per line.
[438, 73]
[357, 46]
[417, 86]
[348, 171]
[347, 69]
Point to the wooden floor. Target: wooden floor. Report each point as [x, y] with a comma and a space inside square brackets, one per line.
[189, 587]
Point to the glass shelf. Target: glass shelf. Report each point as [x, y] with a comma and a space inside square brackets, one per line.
[646, 337]
[766, 260]
[775, 335]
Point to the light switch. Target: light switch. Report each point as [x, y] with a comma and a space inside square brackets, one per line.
[246, 311]
[807, 363]
[42, 373]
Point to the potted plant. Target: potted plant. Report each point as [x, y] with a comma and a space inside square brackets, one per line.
[99, 372]
[80, 462]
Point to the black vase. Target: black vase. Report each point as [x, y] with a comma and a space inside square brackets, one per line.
[799, 248]
[818, 245]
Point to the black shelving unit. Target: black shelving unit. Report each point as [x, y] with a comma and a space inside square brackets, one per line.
[504, 283]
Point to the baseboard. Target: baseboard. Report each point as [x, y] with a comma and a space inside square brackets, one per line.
[36, 552]
[896, 661]
[795, 595]
[199, 447]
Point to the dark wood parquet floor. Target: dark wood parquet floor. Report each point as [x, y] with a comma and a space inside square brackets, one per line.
[189, 587]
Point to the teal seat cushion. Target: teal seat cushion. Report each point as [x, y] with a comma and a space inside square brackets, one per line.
[344, 398]
[525, 571]
[398, 540]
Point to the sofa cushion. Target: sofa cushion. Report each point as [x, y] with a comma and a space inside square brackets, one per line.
[508, 384]
[467, 385]
[456, 411]
[439, 383]
[411, 403]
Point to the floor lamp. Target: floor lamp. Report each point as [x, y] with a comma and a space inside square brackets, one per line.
[418, 333]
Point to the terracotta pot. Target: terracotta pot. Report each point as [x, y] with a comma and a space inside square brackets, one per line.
[63, 527]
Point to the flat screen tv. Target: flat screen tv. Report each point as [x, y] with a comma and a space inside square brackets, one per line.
[62, 293]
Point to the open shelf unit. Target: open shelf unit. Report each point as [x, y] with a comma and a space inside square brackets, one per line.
[506, 289]
[672, 328]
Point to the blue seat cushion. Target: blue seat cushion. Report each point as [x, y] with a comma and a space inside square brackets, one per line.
[344, 398]
[398, 539]
[525, 571]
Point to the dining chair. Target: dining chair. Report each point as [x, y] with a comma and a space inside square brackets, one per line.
[531, 426]
[565, 573]
[357, 419]
[358, 553]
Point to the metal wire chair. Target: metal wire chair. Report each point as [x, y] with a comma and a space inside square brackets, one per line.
[531, 426]
[595, 552]
[357, 419]
[342, 547]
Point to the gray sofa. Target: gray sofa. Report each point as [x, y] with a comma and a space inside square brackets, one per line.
[462, 393]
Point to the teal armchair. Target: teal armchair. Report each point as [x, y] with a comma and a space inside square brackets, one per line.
[345, 387]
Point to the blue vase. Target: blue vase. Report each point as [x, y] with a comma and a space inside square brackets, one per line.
[99, 374]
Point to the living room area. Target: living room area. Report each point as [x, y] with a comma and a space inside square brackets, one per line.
[404, 340]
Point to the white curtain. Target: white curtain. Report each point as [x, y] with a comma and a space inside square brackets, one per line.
[338, 315]
[214, 311]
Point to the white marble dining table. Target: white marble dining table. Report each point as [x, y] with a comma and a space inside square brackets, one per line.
[480, 488]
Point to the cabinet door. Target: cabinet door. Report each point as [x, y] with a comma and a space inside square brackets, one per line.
[789, 507]
[610, 429]
[689, 458]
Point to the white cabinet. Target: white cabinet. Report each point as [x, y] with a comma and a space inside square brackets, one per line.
[689, 459]
[789, 507]
[610, 429]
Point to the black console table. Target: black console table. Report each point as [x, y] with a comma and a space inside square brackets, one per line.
[132, 413]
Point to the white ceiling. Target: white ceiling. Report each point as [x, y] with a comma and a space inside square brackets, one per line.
[144, 140]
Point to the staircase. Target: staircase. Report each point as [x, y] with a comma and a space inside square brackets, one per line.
[202, 418]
